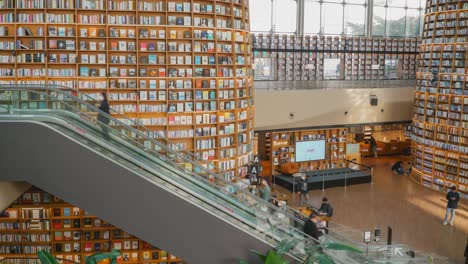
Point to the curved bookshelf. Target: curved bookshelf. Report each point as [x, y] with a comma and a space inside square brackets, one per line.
[440, 121]
[181, 67]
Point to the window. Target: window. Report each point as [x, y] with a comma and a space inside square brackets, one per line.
[412, 22]
[331, 69]
[332, 18]
[285, 16]
[397, 3]
[265, 69]
[260, 15]
[378, 22]
[413, 3]
[396, 22]
[311, 17]
[354, 19]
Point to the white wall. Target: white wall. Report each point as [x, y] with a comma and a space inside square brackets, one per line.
[324, 107]
[10, 191]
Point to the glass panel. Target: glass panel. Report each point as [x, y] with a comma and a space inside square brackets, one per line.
[260, 15]
[380, 2]
[412, 23]
[312, 17]
[331, 69]
[378, 23]
[332, 18]
[391, 69]
[355, 1]
[414, 3]
[397, 3]
[355, 16]
[395, 22]
[264, 69]
[285, 16]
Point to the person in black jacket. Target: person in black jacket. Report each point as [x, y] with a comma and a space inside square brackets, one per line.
[310, 226]
[104, 119]
[325, 208]
[397, 168]
[373, 146]
[452, 197]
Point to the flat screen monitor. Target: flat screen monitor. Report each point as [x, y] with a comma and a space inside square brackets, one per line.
[310, 150]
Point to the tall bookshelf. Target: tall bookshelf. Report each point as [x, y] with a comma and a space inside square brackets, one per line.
[360, 58]
[440, 122]
[40, 221]
[180, 67]
[280, 147]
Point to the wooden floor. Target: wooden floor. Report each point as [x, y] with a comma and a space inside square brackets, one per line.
[415, 213]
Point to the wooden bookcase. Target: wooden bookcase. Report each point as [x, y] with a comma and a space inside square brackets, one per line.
[440, 122]
[41, 221]
[180, 67]
[281, 147]
[302, 58]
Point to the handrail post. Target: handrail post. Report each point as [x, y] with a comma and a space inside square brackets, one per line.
[323, 181]
[372, 175]
[346, 179]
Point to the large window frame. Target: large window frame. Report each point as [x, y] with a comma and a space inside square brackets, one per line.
[376, 19]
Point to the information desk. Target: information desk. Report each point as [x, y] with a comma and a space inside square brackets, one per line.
[325, 178]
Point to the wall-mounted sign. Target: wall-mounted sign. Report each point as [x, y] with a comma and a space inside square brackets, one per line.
[280, 143]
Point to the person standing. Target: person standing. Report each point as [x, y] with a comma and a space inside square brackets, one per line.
[452, 204]
[303, 188]
[373, 145]
[104, 118]
[265, 191]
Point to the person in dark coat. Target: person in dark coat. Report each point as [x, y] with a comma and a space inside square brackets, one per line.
[325, 208]
[104, 119]
[310, 226]
[373, 146]
[397, 168]
[452, 204]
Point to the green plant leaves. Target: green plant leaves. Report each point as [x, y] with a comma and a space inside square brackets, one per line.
[273, 258]
[260, 255]
[243, 262]
[46, 257]
[338, 246]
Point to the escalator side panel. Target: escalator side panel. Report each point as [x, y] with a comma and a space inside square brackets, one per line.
[37, 154]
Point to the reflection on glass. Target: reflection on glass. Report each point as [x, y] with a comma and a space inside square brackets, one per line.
[285, 18]
[412, 22]
[354, 19]
[260, 15]
[312, 17]
[332, 18]
[395, 22]
[331, 69]
[391, 69]
[265, 69]
[378, 22]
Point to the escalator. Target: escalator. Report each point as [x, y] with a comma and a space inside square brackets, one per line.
[139, 183]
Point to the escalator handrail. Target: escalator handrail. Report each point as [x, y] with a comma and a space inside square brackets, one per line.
[92, 107]
[295, 230]
[139, 133]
